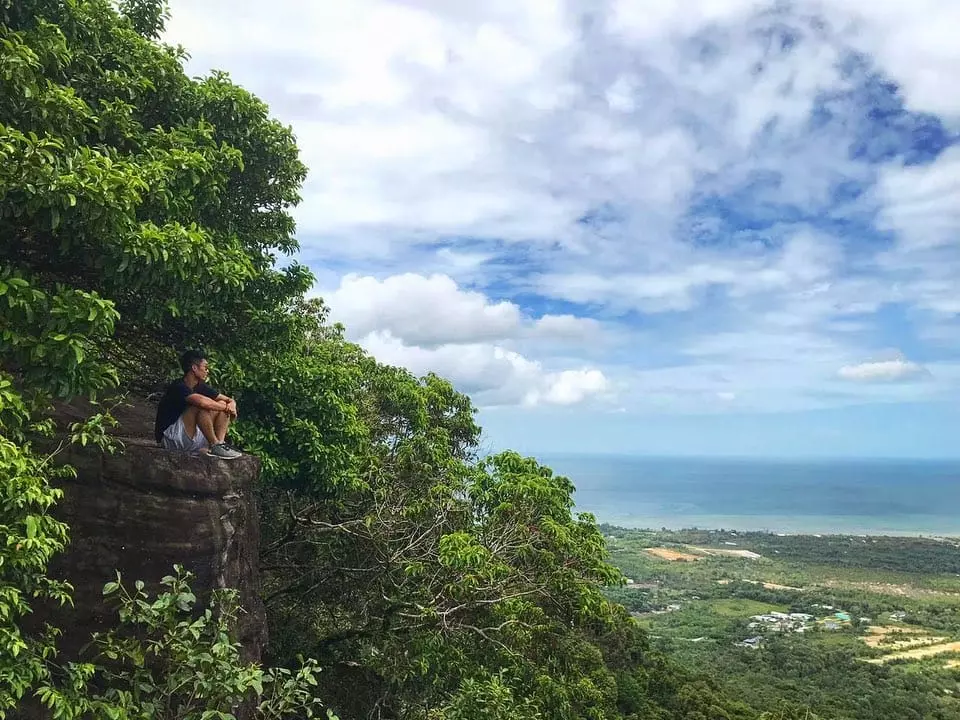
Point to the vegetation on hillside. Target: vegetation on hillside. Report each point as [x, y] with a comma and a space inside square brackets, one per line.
[143, 212]
[896, 657]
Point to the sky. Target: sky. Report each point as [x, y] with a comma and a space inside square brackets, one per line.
[708, 227]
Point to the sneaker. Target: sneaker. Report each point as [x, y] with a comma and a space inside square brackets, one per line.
[224, 452]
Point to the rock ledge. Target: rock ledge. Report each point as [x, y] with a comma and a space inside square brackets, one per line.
[146, 509]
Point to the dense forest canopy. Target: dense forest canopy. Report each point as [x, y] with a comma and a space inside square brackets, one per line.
[143, 212]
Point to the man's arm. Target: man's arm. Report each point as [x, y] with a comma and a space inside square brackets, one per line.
[231, 403]
[212, 400]
[206, 403]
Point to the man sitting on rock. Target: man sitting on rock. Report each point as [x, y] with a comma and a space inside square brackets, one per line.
[192, 416]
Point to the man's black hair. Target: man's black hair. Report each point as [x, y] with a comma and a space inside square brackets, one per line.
[191, 358]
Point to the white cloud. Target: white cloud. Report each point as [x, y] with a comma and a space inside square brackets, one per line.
[570, 387]
[481, 121]
[422, 130]
[885, 370]
[420, 310]
[654, 21]
[566, 327]
[429, 324]
[492, 374]
[433, 310]
[801, 266]
[913, 42]
[920, 203]
[649, 292]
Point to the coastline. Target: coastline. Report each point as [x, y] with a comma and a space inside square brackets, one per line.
[897, 526]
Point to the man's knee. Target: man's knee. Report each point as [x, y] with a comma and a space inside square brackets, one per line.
[199, 413]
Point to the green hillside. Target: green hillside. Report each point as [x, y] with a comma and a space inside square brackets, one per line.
[875, 631]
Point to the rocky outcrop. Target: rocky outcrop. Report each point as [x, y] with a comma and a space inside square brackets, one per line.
[145, 509]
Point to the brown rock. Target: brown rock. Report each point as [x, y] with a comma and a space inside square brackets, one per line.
[134, 416]
[146, 509]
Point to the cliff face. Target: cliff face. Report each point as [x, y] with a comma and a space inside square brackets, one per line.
[146, 509]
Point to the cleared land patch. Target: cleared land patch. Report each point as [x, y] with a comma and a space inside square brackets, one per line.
[672, 554]
[898, 638]
[774, 586]
[918, 652]
[883, 588]
[766, 585]
[728, 553]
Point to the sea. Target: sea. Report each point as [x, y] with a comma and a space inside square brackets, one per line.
[850, 497]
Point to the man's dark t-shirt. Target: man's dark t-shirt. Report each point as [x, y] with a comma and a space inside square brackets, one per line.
[174, 402]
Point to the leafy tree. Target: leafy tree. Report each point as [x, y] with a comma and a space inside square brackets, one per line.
[164, 661]
[140, 211]
[442, 571]
[46, 337]
[148, 17]
[30, 538]
[121, 176]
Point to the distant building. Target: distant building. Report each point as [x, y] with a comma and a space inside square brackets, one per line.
[781, 622]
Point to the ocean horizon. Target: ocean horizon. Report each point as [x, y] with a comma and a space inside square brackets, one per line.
[797, 496]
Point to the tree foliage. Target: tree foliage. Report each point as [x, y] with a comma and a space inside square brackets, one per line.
[139, 210]
[122, 178]
[164, 661]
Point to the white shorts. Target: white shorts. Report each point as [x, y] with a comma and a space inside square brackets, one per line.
[175, 438]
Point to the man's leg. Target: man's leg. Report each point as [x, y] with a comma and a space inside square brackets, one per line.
[194, 417]
[213, 426]
[221, 423]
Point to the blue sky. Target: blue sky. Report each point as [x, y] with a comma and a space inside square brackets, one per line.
[700, 227]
